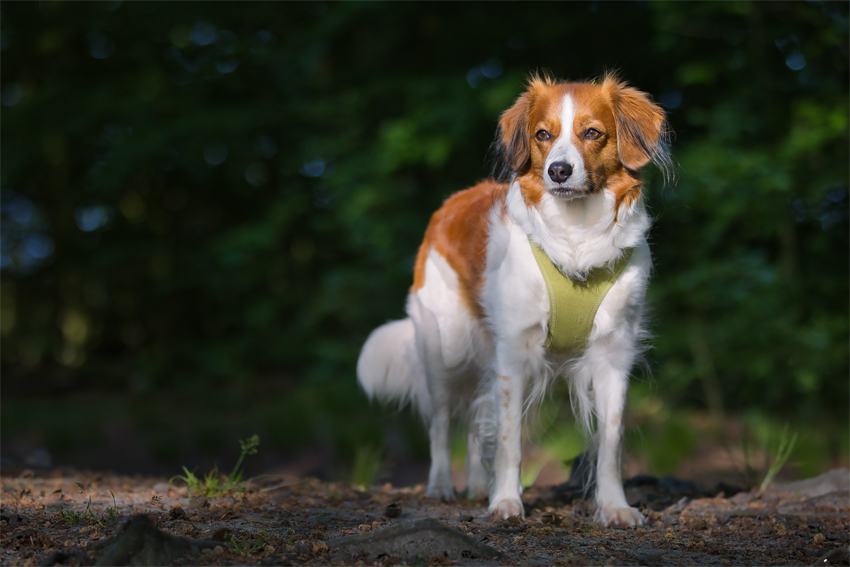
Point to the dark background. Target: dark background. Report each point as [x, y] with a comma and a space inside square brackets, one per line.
[206, 207]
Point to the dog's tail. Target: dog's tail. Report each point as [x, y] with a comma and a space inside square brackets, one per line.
[389, 367]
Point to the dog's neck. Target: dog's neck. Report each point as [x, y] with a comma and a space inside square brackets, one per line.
[583, 233]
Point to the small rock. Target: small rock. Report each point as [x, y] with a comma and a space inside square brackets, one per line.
[838, 556]
[765, 529]
[141, 543]
[303, 548]
[830, 502]
[832, 481]
[12, 519]
[411, 540]
[648, 558]
[199, 501]
[177, 513]
[24, 534]
[669, 520]
[393, 510]
[61, 558]
[221, 534]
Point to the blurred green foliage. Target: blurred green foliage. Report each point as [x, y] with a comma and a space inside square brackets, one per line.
[206, 207]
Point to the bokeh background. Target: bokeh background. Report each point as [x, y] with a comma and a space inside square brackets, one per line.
[206, 207]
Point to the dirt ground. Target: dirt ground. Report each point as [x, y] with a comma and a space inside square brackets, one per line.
[74, 518]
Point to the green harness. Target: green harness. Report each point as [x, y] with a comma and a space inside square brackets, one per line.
[573, 304]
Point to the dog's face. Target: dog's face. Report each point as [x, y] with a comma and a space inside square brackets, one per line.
[573, 139]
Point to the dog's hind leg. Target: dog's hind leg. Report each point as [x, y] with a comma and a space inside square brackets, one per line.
[440, 484]
[476, 473]
[438, 414]
[444, 340]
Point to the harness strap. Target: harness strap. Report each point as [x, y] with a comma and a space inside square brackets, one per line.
[573, 304]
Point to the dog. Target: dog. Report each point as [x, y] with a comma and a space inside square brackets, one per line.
[485, 334]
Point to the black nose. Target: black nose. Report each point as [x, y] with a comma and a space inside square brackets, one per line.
[560, 171]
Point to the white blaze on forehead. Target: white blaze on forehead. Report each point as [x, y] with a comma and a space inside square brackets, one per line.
[567, 116]
[565, 150]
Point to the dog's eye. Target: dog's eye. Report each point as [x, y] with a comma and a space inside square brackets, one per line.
[543, 135]
[592, 134]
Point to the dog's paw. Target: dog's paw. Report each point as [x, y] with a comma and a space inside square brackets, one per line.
[611, 516]
[507, 508]
[443, 492]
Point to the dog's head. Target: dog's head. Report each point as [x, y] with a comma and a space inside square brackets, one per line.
[573, 139]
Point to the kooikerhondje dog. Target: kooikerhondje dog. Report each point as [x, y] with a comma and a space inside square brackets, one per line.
[486, 334]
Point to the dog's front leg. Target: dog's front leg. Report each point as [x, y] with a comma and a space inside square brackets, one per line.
[610, 387]
[505, 491]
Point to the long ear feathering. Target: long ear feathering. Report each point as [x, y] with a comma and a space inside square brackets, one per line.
[643, 134]
[510, 149]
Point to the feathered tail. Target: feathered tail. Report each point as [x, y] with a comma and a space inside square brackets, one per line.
[389, 367]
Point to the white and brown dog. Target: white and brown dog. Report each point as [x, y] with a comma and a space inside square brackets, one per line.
[480, 308]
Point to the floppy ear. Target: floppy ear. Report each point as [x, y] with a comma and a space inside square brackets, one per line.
[513, 133]
[641, 126]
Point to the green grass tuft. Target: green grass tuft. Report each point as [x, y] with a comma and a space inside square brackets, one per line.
[367, 463]
[245, 546]
[214, 483]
